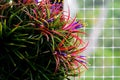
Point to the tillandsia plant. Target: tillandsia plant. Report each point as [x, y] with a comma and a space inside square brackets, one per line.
[39, 42]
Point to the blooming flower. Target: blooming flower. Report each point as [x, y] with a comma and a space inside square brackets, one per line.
[56, 8]
[73, 26]
[73, 59]
[76, 25]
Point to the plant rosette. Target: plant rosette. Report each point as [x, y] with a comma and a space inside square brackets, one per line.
[39, 42]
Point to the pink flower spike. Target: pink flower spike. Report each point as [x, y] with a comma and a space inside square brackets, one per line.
[81, 57]
[29, 1]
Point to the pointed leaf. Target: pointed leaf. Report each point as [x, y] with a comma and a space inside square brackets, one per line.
[0, 29]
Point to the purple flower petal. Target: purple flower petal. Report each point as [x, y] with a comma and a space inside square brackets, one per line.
[63, 54]
[76, 25]
[50, 20]
[36, 1]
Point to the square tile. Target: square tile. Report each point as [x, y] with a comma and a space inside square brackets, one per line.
[108, 61]
[108, 33]
[98, 62]
[108, 42]
[116, 3]
[98, 71]
[117, 72]
[117, 62]
[108, 72]
[117, 42]
[117, 33]
[117, 13]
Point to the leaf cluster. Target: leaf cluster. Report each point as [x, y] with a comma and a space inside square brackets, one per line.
[30, 36]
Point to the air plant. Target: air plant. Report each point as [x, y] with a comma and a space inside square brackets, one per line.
[39, 42]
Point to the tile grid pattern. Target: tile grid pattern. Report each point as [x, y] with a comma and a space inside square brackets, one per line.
[107, 70]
